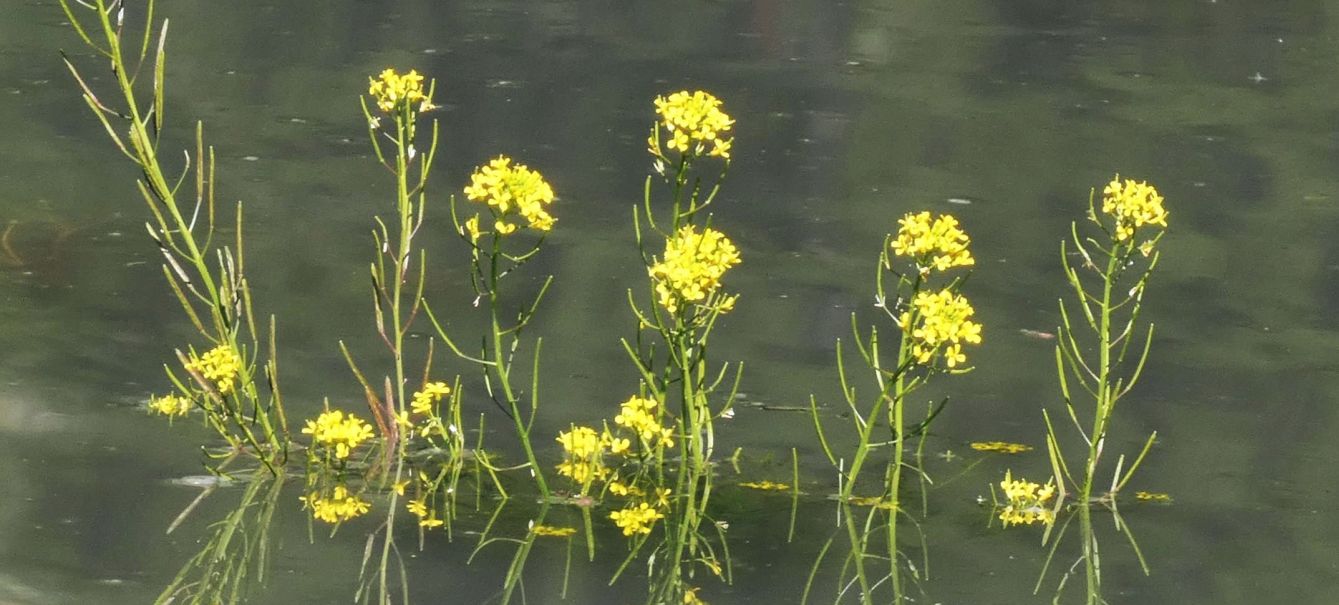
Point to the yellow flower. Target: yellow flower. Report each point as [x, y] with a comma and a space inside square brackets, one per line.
[339, 507]
[941, 319]
[472, 227]
[636, 519]
[332, 430]
[934, 242]
[419, 508]
[694, 120]
[690, 597]
[1133, 204]
[585, 450]
[1000, 446]
[638, 414]
[170, 405]
[692, 267]
[554, 532]
[429, 395]
[220, 366]
[392, 90]
[1026, 502]
[507, 187]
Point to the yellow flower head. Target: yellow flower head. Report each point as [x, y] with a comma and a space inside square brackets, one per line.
[1026, 501]
[428, 396]
[694, 121]
[934, 242]
[638, 414]
[1133, 204]
[940, 324]
[340, 506]
[220, 366]
[393, 91]
[692, 267]
[170, 405]
[584, 449]
[636, 519]
[334, 431]
[472, 228]
[508, 188]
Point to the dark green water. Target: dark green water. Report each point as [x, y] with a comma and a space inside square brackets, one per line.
[848, 115]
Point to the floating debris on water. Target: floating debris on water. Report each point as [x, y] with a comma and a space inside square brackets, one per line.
[202, 481]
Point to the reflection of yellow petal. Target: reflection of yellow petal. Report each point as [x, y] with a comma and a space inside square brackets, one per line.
[765, 485]
[1002, 447]
[1152, 497]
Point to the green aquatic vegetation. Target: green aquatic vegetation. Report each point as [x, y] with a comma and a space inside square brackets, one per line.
[235, 555]
[1109, 286]
[934, 322]
[680, 388]
[234, 384]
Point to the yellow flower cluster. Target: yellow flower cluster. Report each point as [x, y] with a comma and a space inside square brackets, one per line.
[427, 518]
[934, 242]
[392, 91]
[334, 431]
[170, 405]
[1133, 204]
[694, 121]
[339, 507]
[942, 318]
[636, 518]
[220, 366]
[692, 268]
[1002, 447]
[638, 414]
[585, 448]
[505, 187]
[1026, 502]
[428, 396]
[553, 532]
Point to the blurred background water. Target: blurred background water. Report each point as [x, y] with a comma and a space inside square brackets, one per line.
[849, 114]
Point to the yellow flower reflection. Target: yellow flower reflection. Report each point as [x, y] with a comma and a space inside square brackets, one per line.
[340, 506]
[170, 405]
[636, 519]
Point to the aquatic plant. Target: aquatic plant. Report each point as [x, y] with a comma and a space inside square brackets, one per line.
[235, 383]
[934, 323]
[687, 298]
[1109, 286]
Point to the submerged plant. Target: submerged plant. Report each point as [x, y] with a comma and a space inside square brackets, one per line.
[935, 323]
[231, 384]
